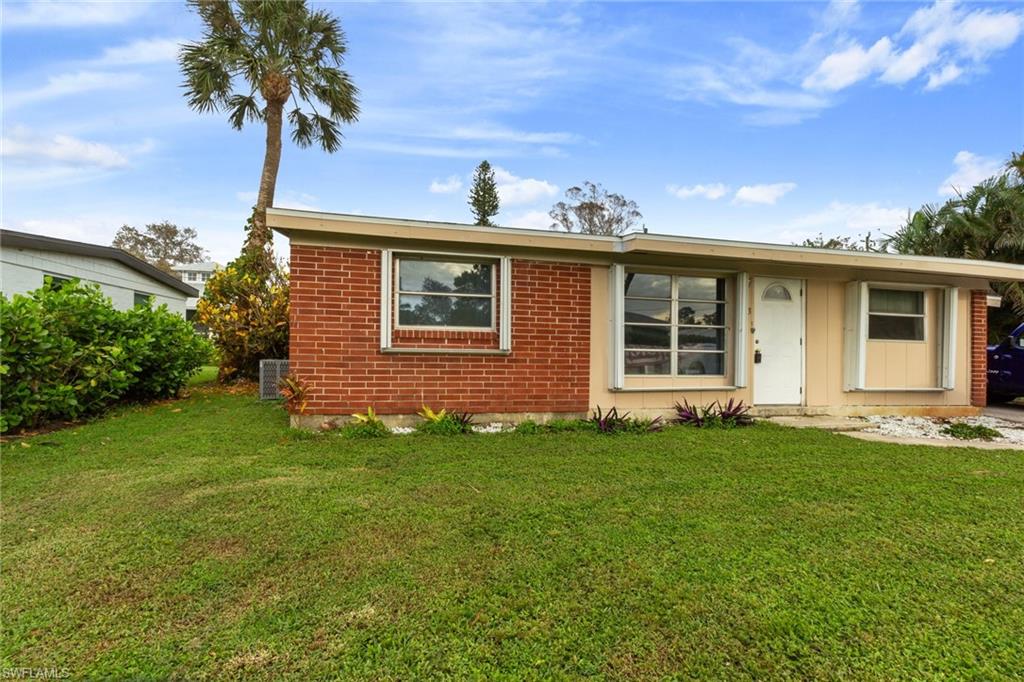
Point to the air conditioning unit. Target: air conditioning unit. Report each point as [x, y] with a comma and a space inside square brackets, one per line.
[271, 372]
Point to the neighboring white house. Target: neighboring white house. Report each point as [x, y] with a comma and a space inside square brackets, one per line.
[195, 275]
[25, 259]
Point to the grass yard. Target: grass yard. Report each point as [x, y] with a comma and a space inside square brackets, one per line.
[203, 538]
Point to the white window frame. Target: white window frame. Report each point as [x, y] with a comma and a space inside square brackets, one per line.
[389, 300]
[674, 325]
[398, 293]
[923, 315]
[856, 334]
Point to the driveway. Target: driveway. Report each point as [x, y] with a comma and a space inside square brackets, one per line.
[1011, 412]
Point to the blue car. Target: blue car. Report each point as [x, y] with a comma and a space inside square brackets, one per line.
[1006, 368]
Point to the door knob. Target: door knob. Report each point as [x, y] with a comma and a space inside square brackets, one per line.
[757, 357]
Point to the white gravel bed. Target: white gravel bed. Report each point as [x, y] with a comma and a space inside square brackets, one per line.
[927, 427]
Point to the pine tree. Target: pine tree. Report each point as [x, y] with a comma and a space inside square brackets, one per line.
[483, 196]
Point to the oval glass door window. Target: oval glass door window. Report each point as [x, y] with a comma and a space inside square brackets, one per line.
[776, 292]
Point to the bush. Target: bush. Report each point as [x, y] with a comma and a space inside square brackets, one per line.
[68, 353]
[970, 431]
[568, 425]
[247, 316]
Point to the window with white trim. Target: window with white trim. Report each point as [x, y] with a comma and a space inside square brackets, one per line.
[674, 325]
[895, 315]
[443, 293]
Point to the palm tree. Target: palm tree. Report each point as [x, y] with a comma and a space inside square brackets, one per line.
[273, 51]
[986, 222]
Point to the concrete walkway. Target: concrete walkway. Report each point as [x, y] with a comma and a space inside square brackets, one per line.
[1011, 412]
[938, 442]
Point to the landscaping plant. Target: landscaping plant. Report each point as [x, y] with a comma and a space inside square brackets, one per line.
[294, 391]
[610, 421]
[444, 423]
[67, 353]
[970, 431]
[366, 425]
[733, 413]
[246, 311]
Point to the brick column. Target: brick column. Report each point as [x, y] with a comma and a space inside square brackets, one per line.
[979, 343]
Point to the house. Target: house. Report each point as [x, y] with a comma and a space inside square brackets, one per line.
[196, 275]
[25, 259]
[510, 322]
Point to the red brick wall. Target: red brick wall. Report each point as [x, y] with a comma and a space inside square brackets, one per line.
[335, 342]
[979, 354]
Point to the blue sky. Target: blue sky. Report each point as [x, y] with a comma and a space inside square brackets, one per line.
[764, 121]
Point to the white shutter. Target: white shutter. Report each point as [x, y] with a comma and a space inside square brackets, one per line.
[855, 336]
[950, 296]
[505, 301]
[617, 292]
[740, 334]
[385, 299]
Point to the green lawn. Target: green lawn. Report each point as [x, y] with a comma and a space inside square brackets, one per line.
[203, 538]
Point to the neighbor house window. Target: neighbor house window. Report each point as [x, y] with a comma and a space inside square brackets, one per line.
[190, 276]
[895, 315]
[445, 293]
[55, 282]
[674, 324]
[141, 299]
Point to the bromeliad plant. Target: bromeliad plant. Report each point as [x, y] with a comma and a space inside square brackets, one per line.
[733, 413]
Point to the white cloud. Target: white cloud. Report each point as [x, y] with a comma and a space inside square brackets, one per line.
[943, 41]
[142, 51]
[710, 191]
[840, 13]
[534, 220]
[66, 84]
[840, 219]
[970, 169]
[246, 197]
[450, 186]
[842, 69]
[763, 194]
[54, 14]
[948, 74]
[514, 191]
[736, 85]
[493, 133]
[66, 150]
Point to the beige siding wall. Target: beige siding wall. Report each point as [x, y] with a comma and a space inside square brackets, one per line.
[888, 364]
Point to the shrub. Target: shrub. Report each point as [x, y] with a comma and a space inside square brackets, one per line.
[246, 312]
[67, 353]
[444, 423]
[568, 425]
[970, 431]
[366, 425]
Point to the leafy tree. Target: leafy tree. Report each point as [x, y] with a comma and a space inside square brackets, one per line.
[255, 57]
[593, 210]
[986, 222]
[483, 195]
[160, 244]
[866, 243]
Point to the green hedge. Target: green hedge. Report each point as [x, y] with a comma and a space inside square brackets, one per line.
[67, 353]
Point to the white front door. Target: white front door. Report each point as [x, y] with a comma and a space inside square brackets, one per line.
[778, 341]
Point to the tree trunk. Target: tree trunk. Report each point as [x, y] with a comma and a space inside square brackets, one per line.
[260, 234]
